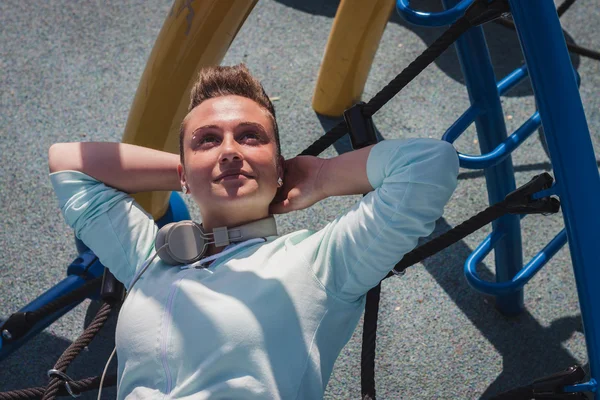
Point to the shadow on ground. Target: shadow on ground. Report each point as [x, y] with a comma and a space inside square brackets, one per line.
[529, 350]
[45, 349]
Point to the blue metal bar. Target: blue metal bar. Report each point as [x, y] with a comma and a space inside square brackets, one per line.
[461, 124]
[552, 191]
[571, 152]
[507, 146]
[504, 149]
[481, 84]
[65, 286]
[511, 80]
[85, 265]
[432, 19]
[465, 120]
[591, 386]
[521, 278]
[177, 211]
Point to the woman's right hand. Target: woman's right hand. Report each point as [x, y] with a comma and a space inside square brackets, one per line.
[301, 185]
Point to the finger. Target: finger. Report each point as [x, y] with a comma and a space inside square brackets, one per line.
[280, 208]
[279, 197]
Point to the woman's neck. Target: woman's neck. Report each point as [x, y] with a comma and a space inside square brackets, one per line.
[232, 218]
[212, 250]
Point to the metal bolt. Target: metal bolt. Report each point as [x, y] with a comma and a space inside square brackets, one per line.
[6, 334]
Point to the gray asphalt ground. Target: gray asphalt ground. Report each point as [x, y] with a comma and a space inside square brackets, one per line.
[69, 71]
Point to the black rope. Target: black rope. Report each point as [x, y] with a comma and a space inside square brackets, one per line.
[75, 348]
[367, 356]
[418, 254]
[82, 385]
[548, 387]
[450, 237]
[56, 385]
[521, 393]
[572, 47]
[564, 7]
[326, 140]
[373, 296]
[582, 51]
[519, 201]
[435, 245]
[397, 84]
[417, 66]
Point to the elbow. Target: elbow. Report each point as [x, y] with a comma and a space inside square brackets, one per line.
[437, 165]
[61, 157]
[449, 157]
[54, 157]
[447, 165]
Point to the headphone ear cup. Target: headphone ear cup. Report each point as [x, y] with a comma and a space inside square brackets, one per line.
[161, 239]
[187, 242]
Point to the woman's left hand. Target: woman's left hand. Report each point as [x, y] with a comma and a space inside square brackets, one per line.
[301, 187]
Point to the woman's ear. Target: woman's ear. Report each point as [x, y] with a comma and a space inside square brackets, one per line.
[280, 167]
[182, 179]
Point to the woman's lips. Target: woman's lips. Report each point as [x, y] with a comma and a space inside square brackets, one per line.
[234, 177]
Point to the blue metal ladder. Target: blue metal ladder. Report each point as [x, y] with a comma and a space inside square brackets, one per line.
[555, 86]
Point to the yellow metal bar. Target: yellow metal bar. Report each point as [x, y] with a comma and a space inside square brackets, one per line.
[195, 34]
[353, 41]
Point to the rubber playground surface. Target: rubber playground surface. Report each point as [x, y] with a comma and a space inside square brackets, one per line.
[69, 72]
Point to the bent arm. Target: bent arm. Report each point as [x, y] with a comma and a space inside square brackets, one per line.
[346, 174]
[126, 167]
[413, 181]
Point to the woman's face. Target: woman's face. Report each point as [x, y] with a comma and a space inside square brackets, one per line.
[230, 157]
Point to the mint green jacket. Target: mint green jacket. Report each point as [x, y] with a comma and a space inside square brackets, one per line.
[266, 321]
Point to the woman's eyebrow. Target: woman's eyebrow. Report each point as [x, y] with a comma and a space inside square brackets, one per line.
[252, 124]
[205, 127]
[241, 124]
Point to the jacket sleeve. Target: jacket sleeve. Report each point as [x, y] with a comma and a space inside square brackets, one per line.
[107, 220]
[413, 180]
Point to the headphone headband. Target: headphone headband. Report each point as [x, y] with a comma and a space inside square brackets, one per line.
[187, 241]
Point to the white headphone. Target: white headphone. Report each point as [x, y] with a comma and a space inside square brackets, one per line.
[185, 242]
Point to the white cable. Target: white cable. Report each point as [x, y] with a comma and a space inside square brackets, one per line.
[135, 279]
[104, 373]
[144, 268]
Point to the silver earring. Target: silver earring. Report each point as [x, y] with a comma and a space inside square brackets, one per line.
[279, 182]
[184, 189]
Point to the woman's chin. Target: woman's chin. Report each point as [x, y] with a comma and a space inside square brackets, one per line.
[234, 192]
[239, 193]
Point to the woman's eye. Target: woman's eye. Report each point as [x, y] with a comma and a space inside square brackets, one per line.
[250, 135]
[206, 139]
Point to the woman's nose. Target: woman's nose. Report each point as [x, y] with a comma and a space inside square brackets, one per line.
[230, 152]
